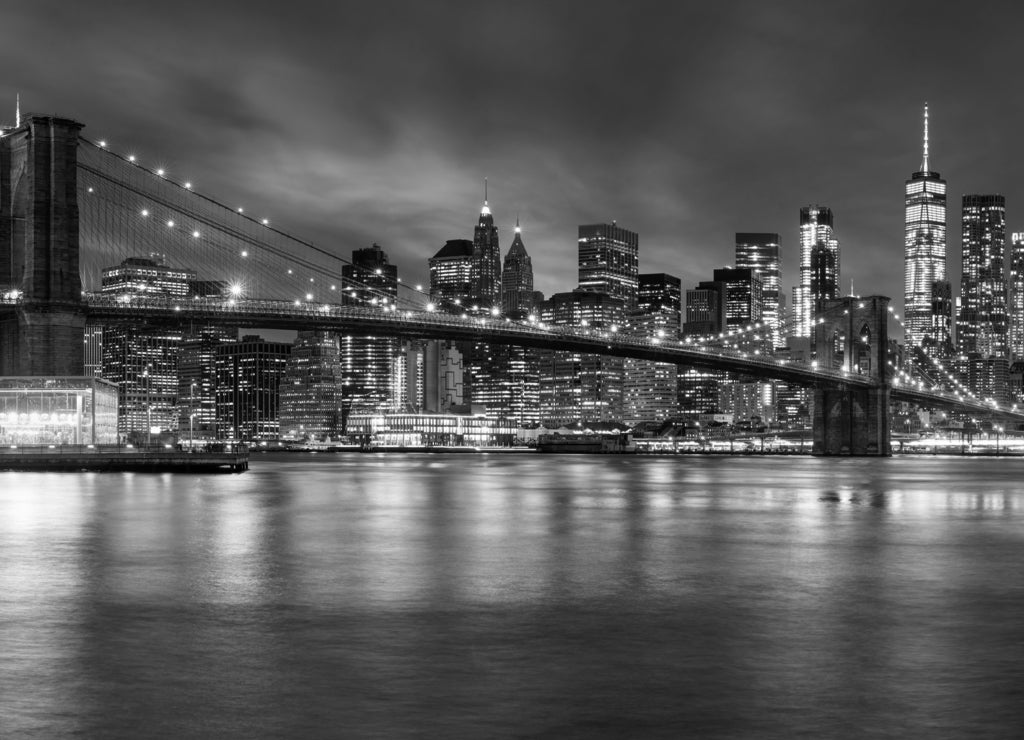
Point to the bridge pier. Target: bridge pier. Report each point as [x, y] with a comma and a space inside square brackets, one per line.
[39, 258]
[852, 335]
[851, 421]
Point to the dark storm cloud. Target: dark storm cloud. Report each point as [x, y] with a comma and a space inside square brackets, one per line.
[355, 122]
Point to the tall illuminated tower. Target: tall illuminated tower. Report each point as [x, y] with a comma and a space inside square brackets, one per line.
[517, 279]
[760, 252]
[924, 251]
[608, 261]
[1017, 296]
[982, 323]
[486, 265]
[819, 266]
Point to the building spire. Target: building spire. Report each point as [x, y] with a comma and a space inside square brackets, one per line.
[517, 224]
[486, 210]
[924, 162]
[17, 109]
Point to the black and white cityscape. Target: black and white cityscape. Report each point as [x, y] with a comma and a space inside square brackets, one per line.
[528, 370]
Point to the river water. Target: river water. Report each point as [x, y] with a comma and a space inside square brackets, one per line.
[449, 596]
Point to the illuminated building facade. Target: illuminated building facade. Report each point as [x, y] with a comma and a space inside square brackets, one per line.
[608, 261]
[486, 264]
[818, 249]
[660, 295]
[760, 252]
[373, 367]
[143, 361]
[517, 294]
[197, 380]
[249, 374]
[311, 392]
[650, 389]
[451, 276]
[982, 322]
[57, 411]
[427, 430]
[577, 387]
[924, 255]
[743, 296]
[1016, 309]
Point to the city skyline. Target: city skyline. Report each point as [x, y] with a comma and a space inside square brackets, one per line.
[717, 123]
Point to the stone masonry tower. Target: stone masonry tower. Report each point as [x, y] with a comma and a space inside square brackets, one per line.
[43, 334]
[851, 334]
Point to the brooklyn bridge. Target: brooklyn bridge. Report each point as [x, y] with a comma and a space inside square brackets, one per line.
[70, 207]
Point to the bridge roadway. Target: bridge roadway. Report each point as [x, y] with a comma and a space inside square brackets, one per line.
[410, 324]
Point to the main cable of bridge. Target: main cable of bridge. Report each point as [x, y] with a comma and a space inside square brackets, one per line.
[216, 219]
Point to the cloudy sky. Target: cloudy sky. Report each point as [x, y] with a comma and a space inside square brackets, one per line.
[353, 122]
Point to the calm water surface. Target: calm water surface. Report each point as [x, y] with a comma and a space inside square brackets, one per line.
[522, 596]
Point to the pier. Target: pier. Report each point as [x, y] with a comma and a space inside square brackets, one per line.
[123, 458]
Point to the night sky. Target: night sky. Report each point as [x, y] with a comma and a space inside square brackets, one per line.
[353, 122]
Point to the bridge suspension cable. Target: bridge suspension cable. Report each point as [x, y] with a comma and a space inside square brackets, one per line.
[128, 210]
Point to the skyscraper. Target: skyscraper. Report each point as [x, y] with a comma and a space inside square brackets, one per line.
[1016, 310]
[924, 253]
[517, 279]
[982, 323]
[370, 364]
[142, 360]
[819, 266]
[311, 401]
[574, 386]
[486, 264]
[249, 373]
[761, 253]
[650, 389]
[451, 276]
[608, 261]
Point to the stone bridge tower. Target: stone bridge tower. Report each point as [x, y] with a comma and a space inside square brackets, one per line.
[45, 333]
[852, 334]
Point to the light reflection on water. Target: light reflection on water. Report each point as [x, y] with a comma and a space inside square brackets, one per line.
[530, 596]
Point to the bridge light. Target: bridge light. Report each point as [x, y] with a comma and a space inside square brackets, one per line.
[334, 287]
[102, 144]
[377, 271]
[131, 157]
[195, 234]
[431, 307]
[289, 271]
[240, 210]
[298, 303]
[245, 253]
[187, 186]
[494, 311]
[265, 222]
[170, 223]
[145, 212]
[160, 172]
[235, 289]
[88, 190]
[458, 301]
[419, 287]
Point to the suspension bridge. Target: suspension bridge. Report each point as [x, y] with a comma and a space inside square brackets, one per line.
[71, 207]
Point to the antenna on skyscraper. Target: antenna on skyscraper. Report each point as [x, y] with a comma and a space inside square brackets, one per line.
[17, 109]
[485, 191]
[924, 163]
